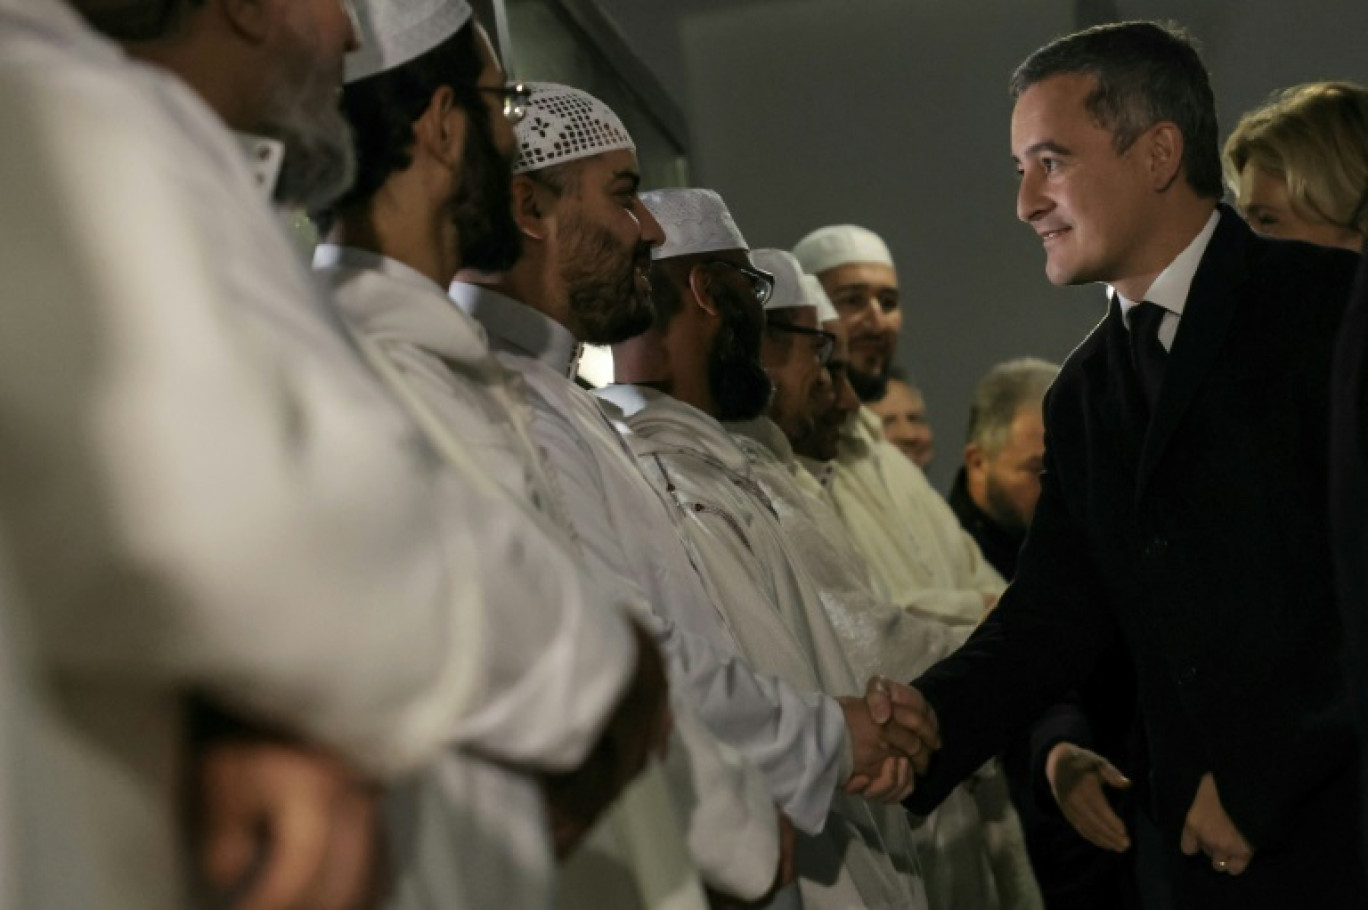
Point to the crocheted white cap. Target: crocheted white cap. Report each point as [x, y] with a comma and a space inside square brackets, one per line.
[840, 244]
[565, 124]
[788, 279]
[393, 32]
[813, 291]
[694, 221]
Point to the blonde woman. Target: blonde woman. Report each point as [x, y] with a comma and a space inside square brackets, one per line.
[1298, 165]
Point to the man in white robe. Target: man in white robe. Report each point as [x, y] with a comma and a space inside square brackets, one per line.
[209, 491]
[906, 530]
[966, 862]
[695, 363]
[393, 252]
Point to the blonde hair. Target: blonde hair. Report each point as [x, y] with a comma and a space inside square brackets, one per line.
[1315, 138]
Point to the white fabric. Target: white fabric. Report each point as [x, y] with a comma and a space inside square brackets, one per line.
[906, 531]
[789, 292]
[959, 846]
[865, 856]
[393, 32]
[813, 291]
[797, 740]
[694, 221]
[1170, 288]
[565, 124]
[840, 244]
[208, 489]
[442, 356]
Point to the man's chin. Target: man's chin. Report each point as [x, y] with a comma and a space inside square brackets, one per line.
[868, 386]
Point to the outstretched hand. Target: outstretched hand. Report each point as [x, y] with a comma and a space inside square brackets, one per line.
[1077, 777]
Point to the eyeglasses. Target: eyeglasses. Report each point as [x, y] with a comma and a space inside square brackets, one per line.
[516, 98]
[825, 341]
[762, 283]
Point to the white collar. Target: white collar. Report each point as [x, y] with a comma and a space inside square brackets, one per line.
[1170, 289]
[264, 158]
[517, 328]
[338, 256]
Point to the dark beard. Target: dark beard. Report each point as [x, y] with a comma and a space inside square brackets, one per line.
[482, 209]
[736, 376]
[600, 283]
[1002, 510]
[870, 386]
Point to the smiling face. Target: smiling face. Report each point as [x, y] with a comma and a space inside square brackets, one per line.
[865, 295]
[1092, 206]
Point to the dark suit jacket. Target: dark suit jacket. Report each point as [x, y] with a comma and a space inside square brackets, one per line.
[1200, 538]
[1349, 496]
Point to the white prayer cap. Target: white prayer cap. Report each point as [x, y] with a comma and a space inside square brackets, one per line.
[788, 279]
[393, 32]
[813, 290]
[840, 244]
[694, 221]
[565, 124]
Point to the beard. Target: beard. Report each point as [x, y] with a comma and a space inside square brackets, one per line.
[870, 386]
[482, 209]
[601, 286]
[1002, 510]
[303, 113]
[736, 375]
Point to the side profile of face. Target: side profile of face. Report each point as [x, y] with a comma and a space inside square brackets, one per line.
[1006, 484]
[302, 109]
[903, 411]
[1265, 204]
[604, 237]
[482, 208]
[1089, 204]
[793, 361]
[834, 401]
[736, 374]
[866, 297]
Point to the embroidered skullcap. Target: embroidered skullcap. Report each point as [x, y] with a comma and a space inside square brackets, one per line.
[840, 244]
[393, 32]
[565, 124]
[788, 279]
[694, 221]
[813, 290]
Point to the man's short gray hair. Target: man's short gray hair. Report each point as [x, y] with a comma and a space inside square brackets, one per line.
[1002, 394]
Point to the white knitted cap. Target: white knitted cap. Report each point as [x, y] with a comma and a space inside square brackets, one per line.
[840, 244]
[814, 292]
[393, 32]
[694, 221]
[565, 124]
[788, 279]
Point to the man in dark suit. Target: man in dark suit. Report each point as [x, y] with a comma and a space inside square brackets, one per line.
[1349, 498]
[1183, 503]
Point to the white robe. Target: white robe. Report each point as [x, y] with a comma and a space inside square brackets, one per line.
[797, 740]
[967, 863]
[443, 359]
[207, 489]
[905, 528]
[865, 856]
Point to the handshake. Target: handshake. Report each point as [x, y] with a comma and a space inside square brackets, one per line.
[893, 731]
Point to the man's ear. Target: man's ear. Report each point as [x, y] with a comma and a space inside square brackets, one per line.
[1165, 146]
[440, 131]
[975, 458]
[253, 20]
[534, 204]
[700, 282]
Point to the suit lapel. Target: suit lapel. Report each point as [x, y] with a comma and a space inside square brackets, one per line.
[1207, 315]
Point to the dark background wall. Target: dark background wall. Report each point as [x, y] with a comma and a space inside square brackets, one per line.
[894, 114]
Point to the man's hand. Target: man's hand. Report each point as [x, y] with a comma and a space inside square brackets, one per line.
[1211, 831]
[1076, 777]
[893, 732]
[285, 827]
[639, 728]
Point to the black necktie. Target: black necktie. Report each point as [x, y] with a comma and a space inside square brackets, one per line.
[1147, 353]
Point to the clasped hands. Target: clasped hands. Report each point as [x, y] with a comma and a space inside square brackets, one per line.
[1077, 777]
[893, 731]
